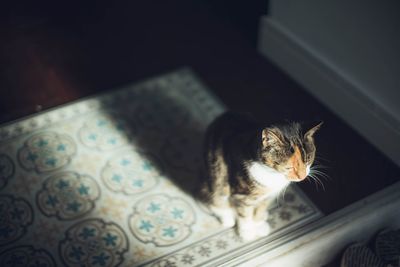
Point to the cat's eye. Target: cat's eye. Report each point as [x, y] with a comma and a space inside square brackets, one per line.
[291, 149]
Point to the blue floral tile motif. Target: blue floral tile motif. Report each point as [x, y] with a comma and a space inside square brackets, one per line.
[127, 212]
[131, 173]
[68, 195]
[47, 151]
[161, 220]
[104, 133]
[7, 169]
[93, 242]
[16, 215]
[26, 256]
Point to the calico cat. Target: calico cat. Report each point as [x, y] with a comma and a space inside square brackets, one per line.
[247, 165]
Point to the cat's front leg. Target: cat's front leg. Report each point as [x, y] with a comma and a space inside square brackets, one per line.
[261, 216]
[226, 215]
[245, 224]
[248, 229]
[223, 210]
[251, 221]
[217, 201]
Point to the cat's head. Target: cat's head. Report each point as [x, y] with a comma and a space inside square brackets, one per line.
[288, 151]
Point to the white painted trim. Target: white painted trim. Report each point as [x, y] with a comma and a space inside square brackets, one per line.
[331, 86]
[320, 242]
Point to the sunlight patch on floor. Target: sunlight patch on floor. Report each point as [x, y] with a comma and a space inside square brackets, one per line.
[108, 180]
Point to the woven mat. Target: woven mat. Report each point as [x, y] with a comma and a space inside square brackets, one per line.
[106, 181]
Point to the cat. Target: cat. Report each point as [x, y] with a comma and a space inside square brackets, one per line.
[248, 165]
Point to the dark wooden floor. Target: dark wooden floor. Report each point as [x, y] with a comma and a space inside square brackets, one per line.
[53, 54]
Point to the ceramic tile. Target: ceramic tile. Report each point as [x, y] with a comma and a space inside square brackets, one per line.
[106, 181]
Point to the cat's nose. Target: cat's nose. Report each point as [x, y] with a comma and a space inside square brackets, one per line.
[303, 174]
[300, 177]
[296, 178]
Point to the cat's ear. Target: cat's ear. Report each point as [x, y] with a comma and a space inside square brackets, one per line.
[310, 133]
[272, 137]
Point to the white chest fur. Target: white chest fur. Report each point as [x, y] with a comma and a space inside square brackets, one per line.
[267, 176]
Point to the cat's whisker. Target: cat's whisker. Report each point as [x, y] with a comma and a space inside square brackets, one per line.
[277, 202]
[318, 157]
[309, 179]
[312, 176]
[284, 191]
[280, 199]
[321, 183]
[317, 184]
[313, 180]
[317, 180]
[322, 177]
[320, 173]
[319, 166]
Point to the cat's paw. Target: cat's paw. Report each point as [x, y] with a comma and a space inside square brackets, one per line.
[226, 216]
[246, 230]
[228, 220]
[263, 229]
[247, 234]
[250, 230]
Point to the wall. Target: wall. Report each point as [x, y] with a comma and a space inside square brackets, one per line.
[347, 53]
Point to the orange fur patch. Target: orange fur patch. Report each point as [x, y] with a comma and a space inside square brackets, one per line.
[299, 167]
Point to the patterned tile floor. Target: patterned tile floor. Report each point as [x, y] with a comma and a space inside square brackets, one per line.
[106, 181]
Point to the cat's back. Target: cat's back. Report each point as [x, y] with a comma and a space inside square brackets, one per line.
[227, 126]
